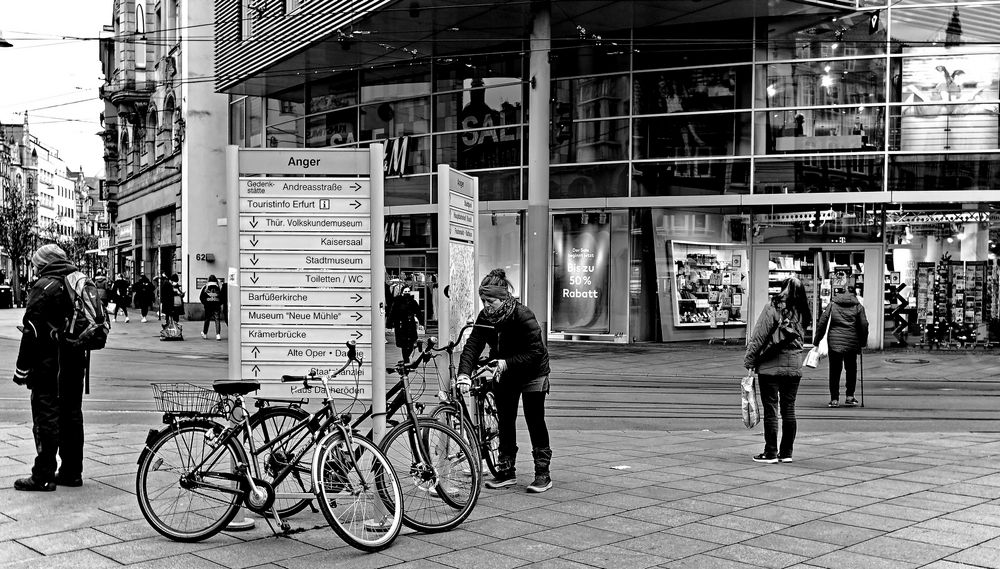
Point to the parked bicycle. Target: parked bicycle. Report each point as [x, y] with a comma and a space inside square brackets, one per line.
[195, 473]
[478, 425]
[436, 466]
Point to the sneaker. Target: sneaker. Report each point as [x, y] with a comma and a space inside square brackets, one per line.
[501, 481]
[784, 459]
[203, 336]
[218, 337]
[542, 483]
[32, 485]
[126, 319]
[833, 403]
[850, 402]
[144, 319]
[765, 459]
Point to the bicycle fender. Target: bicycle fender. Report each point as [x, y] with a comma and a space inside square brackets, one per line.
[155, 434]
[316, 482]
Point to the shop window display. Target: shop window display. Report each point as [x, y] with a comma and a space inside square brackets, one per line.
[711, 287]
[857, 129]
[692, 136]
[815, 174]
[822, 34]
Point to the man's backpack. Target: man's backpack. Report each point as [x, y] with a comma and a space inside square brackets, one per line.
[212, 293]
[88, 326]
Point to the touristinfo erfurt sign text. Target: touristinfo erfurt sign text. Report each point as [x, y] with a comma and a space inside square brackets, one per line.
[305, 275]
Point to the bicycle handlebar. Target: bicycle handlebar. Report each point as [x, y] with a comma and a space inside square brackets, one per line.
[450, 346]
[352, 357]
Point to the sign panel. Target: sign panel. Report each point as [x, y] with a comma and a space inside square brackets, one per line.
[346, 388]
[305, 223]
[302, 279]
[307, 353]
[295, 260]
[305, 242]
[581, 279]
[330, 335]
[305, 315]
[326, 205]
[356, 299]
[458, 210]
[300, 187]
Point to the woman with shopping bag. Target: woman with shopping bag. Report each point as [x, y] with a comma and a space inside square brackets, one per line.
[774, 351]
[843, 326]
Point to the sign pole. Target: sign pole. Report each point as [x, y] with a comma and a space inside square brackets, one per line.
[233, 273]
[377, 177]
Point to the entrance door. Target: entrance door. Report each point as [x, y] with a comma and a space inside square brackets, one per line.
[824, 272]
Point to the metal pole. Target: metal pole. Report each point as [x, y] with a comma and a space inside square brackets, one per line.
[537, 228]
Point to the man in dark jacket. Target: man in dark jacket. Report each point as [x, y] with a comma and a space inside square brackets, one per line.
[848, 333]
[53, 371]
[120, 296]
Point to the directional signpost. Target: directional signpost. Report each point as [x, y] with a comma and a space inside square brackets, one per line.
[458, 279]
[307, 241]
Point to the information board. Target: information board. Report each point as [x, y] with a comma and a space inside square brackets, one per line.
[458, 275]
[307, 250]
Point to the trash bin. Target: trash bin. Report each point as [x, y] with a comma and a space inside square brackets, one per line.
[6, 297]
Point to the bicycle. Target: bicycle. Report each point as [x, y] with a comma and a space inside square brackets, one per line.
[436, 466]
[195, 474]
[481, 426]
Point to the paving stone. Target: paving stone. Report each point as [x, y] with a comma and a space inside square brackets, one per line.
[455, 539]
[757, 556]
[578, 537]
[668, 546]
[613, 557]
[69, 560]
[829, 532]
[503, 527]
[902, 549]
[870, 521]
[699, 506]
[979, 556]
[149, 549]
[936, 537]
[624, 525]
[704, 561]
[187, 561]
[780, 514]
[12, 551]
[343, 557]
[850, 560]
[663, 516]
[476, 557]
[898, 512]
[72, 540]
[789, 544]
[545, 517]
[527, 549]
[744, 524]
[715, 534]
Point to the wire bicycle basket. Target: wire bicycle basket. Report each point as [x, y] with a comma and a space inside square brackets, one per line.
[185, 398]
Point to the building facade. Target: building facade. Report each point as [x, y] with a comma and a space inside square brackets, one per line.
[656, 169]
[164, 138]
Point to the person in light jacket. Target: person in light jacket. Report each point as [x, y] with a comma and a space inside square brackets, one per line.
[848, 334]
[774, 351]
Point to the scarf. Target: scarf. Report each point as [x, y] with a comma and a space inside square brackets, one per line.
[500, 313]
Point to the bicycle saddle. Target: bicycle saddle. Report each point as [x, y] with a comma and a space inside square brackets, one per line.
[235, 386]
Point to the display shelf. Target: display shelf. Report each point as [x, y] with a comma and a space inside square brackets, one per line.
[711, 284]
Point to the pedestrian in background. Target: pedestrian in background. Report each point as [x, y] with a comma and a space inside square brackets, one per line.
[171, 299]
[848, 333]
[211, 300]
[53, 371]
[120, 296]
[512, 332]
[774, 351]
[143, 294]
[102, 284]
[404, 318]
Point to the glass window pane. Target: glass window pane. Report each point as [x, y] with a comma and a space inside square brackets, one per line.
[285, 135]
[817, 174]
[332, 129]
[407, 155]
[687, 178]
[596, 181]
[823, 34]
[946, 172]
[572, 57]
[411, 190]
[945, 127]
[496, 185]
[483, 148]
[396, 118]
[693, 43]
[592, 97]
[707, 89]
[388, 84]
[931, 76]
[255, 118]
[484, 103]
[858, 129]
[684, 136]
[237, 123]
[831, 82]
[333, 93]
[454, 73]
[589, 141]
[950, 26]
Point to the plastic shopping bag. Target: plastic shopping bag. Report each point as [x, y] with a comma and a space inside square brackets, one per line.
[749, 401]
[812, 358]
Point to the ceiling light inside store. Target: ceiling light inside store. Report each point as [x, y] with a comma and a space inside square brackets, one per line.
[826, 81]
[771, 90]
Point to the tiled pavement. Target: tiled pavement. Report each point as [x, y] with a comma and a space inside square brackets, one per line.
[621, 500]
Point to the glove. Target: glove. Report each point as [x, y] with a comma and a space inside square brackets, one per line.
[463, 382]
[21, 377]
[501, 366]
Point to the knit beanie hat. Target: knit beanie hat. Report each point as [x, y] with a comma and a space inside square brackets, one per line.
[46, 254]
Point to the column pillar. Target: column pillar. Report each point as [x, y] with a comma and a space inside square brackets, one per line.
[537, 228]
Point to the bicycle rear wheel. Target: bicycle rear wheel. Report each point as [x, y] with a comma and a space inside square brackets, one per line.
[451, 415]
[266, 425]
[359, 492]
[185, 505]
[489, 432]
[438, 494]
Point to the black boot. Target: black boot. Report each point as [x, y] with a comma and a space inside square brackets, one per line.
[506, 475]
[30, 484]
[543, 457]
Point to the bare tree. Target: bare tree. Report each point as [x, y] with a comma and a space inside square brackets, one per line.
[18, 222]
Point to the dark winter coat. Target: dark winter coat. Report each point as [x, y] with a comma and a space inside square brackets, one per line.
[143, 293]
[45, 316]
[119, 291]
[517, 340]
[848, 325]
[785, 330]
[101, 282]
[403, 319]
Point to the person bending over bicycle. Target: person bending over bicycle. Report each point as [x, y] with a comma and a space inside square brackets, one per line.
[515, 341]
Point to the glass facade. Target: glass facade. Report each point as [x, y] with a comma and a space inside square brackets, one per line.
[797, 100]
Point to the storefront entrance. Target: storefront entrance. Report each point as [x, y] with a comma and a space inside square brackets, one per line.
[824, 271]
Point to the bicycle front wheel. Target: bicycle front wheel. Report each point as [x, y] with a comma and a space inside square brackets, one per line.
[489, 432]
[359, 492]
[182, 503]
[451, 415]
[267, 425]
[437, 472]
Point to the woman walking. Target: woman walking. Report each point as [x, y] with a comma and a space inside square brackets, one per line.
[775, 353]
[404, 318]
[515, 340]
[143, 293]
[848, 333]
[211, 299]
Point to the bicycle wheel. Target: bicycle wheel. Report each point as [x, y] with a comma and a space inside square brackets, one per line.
[359, 493]
[489, 432]
[450, 415]
[265, 426]
[438, 494]
[185, 505]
